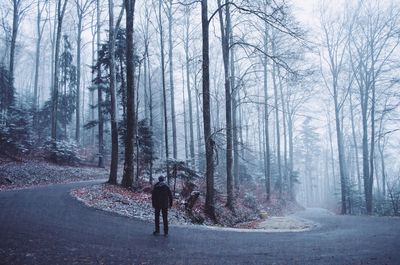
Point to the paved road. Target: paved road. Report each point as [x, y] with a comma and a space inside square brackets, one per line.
[46, 226]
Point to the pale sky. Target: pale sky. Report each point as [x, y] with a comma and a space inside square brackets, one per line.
[306, 11]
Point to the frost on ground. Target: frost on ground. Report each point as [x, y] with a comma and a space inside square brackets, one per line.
[17, 175]
[119, 200]
[129, 203]
[287, 223]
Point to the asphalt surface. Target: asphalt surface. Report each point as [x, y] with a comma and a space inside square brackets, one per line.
[47, 226]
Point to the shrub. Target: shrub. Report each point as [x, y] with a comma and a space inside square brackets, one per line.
[62, 152]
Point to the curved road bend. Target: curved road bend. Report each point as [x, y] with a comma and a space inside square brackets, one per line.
[45, 225]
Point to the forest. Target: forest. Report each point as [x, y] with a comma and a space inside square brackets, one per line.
[264, 100]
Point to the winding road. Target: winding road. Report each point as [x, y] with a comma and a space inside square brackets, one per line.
[45, 225]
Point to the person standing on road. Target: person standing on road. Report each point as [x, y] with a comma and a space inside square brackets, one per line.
[161, 198]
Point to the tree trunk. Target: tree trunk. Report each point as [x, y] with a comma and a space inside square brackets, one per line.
[60, 16]
[78, 80]
[331, 153]
[39, 28]
[151, 113]
[290, 146]
[235, 141]
[381, 147]
[339, 138]
[15, 26]
[277, 124]
[99, 96]
[209, 142]
[127, 179]
[285, 158]
[198, 129]
[171, 81]
[164, 89]
[91, 100]
[114, 125]
[225, 32]
[185, 116]
[267, 157]
[372, 150]
[355, 144]
[189, 94]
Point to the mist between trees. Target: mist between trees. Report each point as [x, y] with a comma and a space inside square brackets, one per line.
[238, 91]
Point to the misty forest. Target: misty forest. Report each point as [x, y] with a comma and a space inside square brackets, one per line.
[251, 109]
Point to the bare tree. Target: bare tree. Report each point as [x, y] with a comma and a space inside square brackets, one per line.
[61, 7]
[99, 92]
[225, 27]
[82, 6]
[18, 12]
[373, 43]
[164, 92]
[171, 80]
[277, 120]
[186, 41]
[336, 41]
[40, 25]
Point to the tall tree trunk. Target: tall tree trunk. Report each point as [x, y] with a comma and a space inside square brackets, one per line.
[189, 94]
[114, 125]
[267, 156]
[91, 99]
[355, 144]
[185, 116]
[235, 140]
[383, 169]
[53, 34]
[364, 116]
[164, 88]
[39, 28]
[286, 178]
[198, 129]
[209, 142]
[146, 73]
[330, 133]
[60, 17]
[151, 113]
[127, 179]
[225, 32]
[240, 126]
[291, 155]
[339, 138]
[81, 9]
[15, 26]
[171, 81]
[381, 147]
[277, 124]
[78, 80]
[99, 95]
[372, 140]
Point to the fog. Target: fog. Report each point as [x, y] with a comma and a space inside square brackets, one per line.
[313, 94]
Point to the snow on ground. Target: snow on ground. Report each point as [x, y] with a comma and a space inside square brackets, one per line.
[125, 202]
[18, 175]
[287, 224]
[119, 200]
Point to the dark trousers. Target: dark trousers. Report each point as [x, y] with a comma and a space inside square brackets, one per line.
[165, 219]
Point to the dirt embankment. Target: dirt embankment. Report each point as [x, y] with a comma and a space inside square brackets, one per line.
[18, 175]
[137, 204]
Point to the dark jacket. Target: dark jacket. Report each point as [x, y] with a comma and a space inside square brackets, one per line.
[161, 195]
